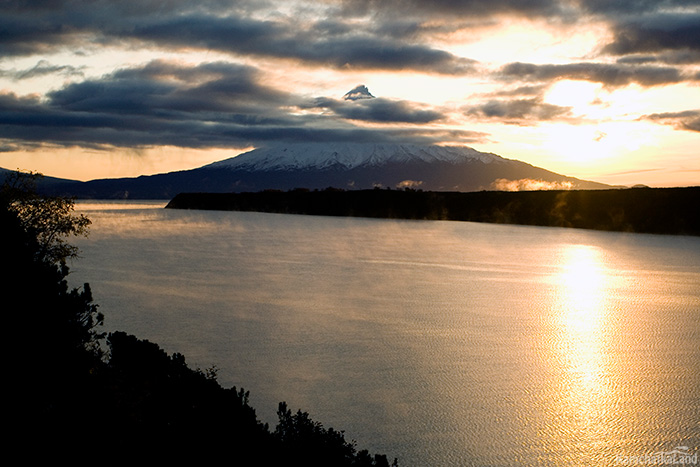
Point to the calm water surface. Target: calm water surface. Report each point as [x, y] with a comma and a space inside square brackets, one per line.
[440, 343]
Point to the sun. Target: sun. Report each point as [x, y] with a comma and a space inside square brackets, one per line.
[580, 96]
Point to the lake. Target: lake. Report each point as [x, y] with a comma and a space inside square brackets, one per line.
[440, 343]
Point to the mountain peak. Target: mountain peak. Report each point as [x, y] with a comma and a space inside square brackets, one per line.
[359, 92]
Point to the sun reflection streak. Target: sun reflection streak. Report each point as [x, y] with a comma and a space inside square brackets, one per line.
[579, 352]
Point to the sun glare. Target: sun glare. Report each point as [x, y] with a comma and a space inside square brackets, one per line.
[579, 95]
[588, 144]
[533, 41]
[581, 280]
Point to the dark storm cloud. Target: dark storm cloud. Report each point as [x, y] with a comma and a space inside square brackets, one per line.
[633, 7]
[164, 89]
[612, 75]
[314, 43]
[670, 28]
[47, 25]
[378, 110]
[688, 120]
[23, 37]
[452, 8]
[160, 103]
[28, 121]
[329, 39]
[210, 105]
[657, 33]
[670, 57]
[32, 121]
[321, 42]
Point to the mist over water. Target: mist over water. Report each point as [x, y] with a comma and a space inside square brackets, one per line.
[440, 343]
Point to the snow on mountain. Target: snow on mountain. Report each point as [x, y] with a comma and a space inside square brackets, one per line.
[300, 156]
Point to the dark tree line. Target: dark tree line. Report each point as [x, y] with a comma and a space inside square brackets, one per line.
[642, 210]
[78, 394]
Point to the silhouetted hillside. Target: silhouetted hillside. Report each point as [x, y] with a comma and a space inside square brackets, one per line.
[72, 395]
[643, 210]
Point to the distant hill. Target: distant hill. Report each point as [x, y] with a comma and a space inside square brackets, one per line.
[641, 210]
[340, 165]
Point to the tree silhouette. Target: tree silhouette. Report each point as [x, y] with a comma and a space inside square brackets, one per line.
[49, 219]
[50, 331]
[311, 444]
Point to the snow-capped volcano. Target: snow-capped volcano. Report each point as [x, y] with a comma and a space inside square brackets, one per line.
[304, 156]
[348, 166]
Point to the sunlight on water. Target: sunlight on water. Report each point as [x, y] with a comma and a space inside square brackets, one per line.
[581, 314]
[441, 343]
[98, 205]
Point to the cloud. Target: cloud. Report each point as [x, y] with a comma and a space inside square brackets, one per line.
[379, 110]
[457, 8]
[518, 111]
[165, 89]
[409, 184]
[688, 120]
[216, 104]
[22, 36]
[221, 104]
[280, 39]
[527, 184]
[634, 7]
[329, 36]
[537, 91]
[667, 30]
[520, 105]
[611, 75]
[656, 33]
[671, 57]
[42, 68]
[320, 42]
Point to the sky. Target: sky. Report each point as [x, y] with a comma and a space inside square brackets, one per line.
[604, 90]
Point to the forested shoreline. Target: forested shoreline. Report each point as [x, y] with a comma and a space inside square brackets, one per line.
[643, 210]
[86, 396]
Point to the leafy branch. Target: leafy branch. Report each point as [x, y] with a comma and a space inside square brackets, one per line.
[51, 220]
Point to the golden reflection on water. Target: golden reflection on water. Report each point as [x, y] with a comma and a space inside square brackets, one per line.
[582, 395]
